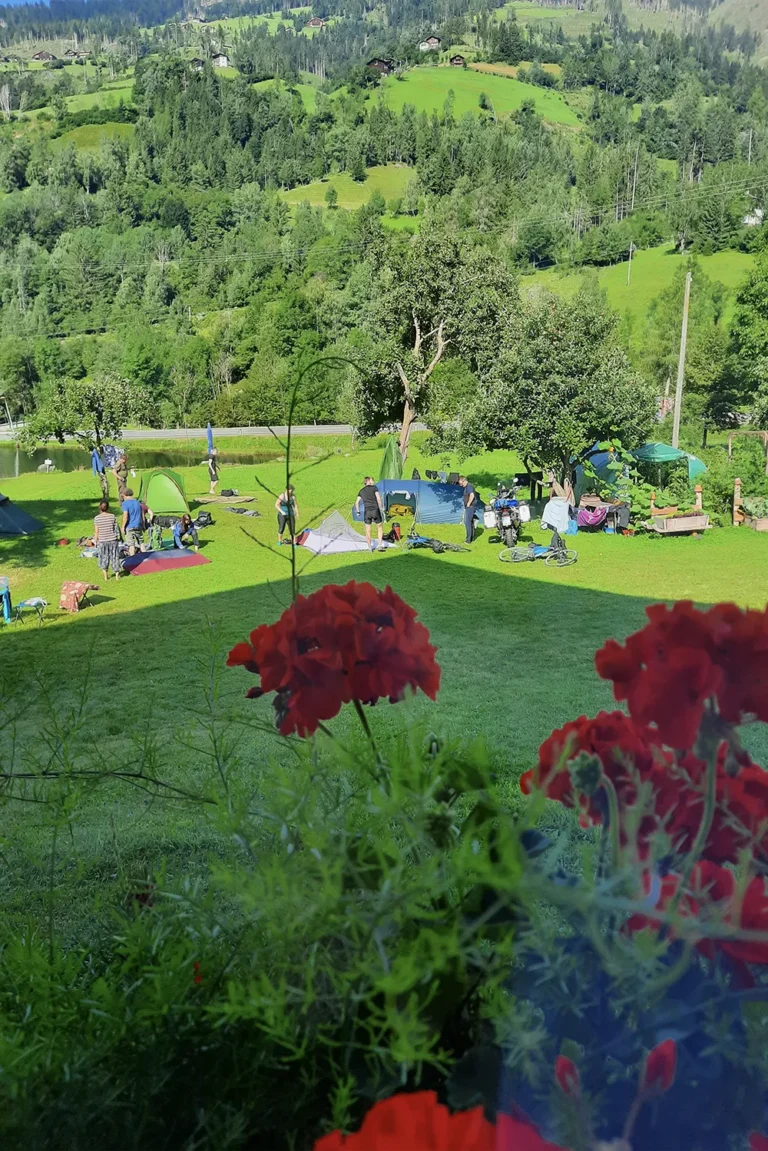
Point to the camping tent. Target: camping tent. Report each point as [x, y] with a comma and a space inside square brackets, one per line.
[16, 522]
[392, 463]
[333, 535]
[432, 503]
[163, 492]
[664, 454]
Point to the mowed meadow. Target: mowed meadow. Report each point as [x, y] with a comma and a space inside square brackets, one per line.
[138, 681]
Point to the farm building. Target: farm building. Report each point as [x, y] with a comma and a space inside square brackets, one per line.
[458, 62]
[220, 60]
[431, 44]
[383, 66]
[315, 22]
[44, 56]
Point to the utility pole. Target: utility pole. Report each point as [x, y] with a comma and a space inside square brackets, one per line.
[629, 265]
[681, 364]
[749, 161]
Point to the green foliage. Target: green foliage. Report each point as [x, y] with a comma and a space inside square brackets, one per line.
[90, 411]
[567, 386]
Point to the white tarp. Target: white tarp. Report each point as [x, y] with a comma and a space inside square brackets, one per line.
[555, 515]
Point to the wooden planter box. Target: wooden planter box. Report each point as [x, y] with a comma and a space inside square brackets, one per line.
[680, 525]
[759, 523]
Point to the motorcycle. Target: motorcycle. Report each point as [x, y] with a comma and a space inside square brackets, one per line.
[506, 514]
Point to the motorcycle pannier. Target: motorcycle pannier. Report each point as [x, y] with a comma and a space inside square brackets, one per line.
[525, 514]
[489, 518]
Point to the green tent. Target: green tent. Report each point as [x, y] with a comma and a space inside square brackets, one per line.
[392, 464]
[664, 454]
[163, 492]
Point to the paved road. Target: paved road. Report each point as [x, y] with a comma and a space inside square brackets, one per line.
[199, 433]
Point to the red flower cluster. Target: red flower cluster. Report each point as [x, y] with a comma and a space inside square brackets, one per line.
[632, 755]
[338, 645]
[419, 1123]
[667, 671]
[715, 896]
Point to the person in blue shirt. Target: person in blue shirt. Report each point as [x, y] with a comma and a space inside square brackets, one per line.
[185, 528]
[133, 521]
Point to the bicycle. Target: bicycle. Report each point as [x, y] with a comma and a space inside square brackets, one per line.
[554, 554]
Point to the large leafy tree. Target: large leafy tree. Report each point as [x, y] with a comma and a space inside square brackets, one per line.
[91, 412]
[433, 297]
[568, 385]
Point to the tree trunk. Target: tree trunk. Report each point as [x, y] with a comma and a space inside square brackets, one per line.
[409, 419]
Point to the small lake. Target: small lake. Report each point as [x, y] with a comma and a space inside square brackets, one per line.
[14, 462]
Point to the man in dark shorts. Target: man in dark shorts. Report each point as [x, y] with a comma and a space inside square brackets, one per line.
[373, 510]
[470, 508]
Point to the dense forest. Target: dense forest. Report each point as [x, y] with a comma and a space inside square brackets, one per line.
[169, 254]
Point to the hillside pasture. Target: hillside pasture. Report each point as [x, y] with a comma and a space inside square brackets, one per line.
[90, 137]
[427, 90]
[652, 271]
[389, 179]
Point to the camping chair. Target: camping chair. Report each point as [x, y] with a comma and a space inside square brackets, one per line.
[453, 478]
[442, 477]
[74, 595]
[34, 604]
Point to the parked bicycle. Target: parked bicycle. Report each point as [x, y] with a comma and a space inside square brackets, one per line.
[554, 554]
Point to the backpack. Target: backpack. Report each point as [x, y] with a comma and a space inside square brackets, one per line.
[394, 535]
[204, 520]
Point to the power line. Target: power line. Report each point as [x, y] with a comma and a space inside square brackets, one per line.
[617, 213]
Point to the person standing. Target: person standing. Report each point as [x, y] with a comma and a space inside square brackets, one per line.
[373, 510]
[120, 472]
[287, 513]
[470, 508]
[213, 470]
[133, 521]
[106, 536]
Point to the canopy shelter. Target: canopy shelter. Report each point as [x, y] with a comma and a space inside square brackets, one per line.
[655, 453]
[333, 535]
[163, 492]
[14, 521]
[431, 503]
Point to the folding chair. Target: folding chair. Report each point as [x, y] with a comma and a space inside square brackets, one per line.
[34, 604]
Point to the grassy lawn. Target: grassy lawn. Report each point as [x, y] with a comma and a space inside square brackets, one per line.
[389, 179]
[427, 89]
[515, 645]
[512, 69]
[652, 271]
[90, 137]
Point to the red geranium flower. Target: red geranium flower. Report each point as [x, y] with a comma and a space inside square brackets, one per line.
[659, 1069]
[667, 671]
[419, 1123]
[338, 645]
[758, 1142]
[567, 1076]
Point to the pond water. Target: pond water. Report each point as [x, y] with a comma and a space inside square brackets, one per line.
[14, 462]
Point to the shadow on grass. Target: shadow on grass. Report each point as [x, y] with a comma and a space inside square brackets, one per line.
[58, 516]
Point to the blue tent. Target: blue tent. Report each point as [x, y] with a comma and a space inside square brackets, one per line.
[432, 503]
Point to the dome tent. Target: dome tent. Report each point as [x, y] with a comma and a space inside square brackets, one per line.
[14, 521]
[163, 492]
[432, 503]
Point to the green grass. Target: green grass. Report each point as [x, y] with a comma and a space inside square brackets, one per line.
[389, 179]
[306, 91]
[427, 89]
[652, 271]
[119, 92]
[515, 645]
[90, 137]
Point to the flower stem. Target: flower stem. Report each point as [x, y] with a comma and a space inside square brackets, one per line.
[613, 820]
[705, 826]
[366, 726]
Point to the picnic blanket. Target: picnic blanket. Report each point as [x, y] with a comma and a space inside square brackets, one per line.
[147, 563]
[73, 593]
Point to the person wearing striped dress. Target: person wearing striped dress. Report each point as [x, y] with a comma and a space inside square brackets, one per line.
[106, 536]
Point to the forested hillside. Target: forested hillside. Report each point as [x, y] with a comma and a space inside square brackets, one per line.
[153, 222]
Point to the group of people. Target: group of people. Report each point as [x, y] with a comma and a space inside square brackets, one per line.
[136, 521]
[370, 505]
